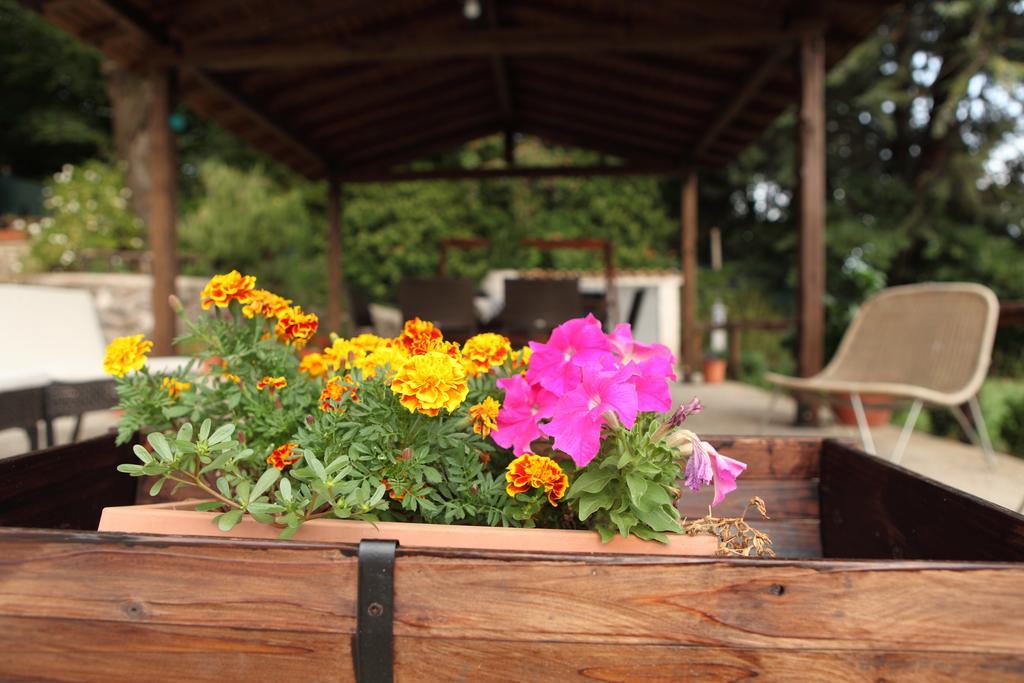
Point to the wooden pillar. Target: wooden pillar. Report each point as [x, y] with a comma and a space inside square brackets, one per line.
[691, 351]
[811, 151]
[335, 272]
[163, 242]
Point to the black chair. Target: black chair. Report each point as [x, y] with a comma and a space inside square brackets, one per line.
[447, 302]
[535, 307]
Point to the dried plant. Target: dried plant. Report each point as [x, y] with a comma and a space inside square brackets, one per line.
[736, 538]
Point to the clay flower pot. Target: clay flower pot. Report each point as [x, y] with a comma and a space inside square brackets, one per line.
[877, 415]
[180, 519]
[714, 370]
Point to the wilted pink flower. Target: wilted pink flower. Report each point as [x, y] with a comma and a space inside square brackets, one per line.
[556, 364]
[706, 466]
[579, 414]
[521, 410]
[684, 411]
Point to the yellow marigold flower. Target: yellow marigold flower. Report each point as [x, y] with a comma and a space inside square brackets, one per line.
[483, 351]
[390, 356]
[272, 382]
[231, 377]
[536, 471]
[174, 387]
[335, 390]
[420, 336]
[221, 290]
[295, 327]
[265, 304]
[126, 354]
[282, 456]
[313, 364]
[343, 354]
[368, 342]
[429, 382]
[521, 358]
[484, 416]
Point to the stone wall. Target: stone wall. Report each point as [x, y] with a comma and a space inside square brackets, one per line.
[122, 299]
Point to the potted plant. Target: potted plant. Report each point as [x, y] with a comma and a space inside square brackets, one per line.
[714, 368]
[877, 409]
[574, 438]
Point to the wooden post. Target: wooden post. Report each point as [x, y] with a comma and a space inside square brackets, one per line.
[691, 350]
[336, 321]
[811, 294]
[163, 243]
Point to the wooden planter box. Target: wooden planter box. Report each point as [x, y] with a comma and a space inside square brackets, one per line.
[883, 574]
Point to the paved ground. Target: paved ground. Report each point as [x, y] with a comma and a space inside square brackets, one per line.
[739, 409]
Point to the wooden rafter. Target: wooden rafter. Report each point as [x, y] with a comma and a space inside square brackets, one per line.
[516, 172]
[433, 142]
[498, 41]
[499, 68]
[560, 133]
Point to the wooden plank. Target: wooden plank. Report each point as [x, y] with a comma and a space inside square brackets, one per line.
[811, 150]
[262, 592]
[65, 487]
[691, 340]
[773, 457]
[871, 508]
[792, 538]
[507, 41]
[163, 215]
[785, 498]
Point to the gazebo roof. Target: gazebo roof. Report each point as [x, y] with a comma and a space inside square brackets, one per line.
[354, 88]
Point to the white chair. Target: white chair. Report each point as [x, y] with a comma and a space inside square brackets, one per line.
[53, 342]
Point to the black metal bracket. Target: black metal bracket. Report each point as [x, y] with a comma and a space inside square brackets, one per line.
[373, 642]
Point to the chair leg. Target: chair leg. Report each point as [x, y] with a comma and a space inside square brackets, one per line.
[78, 427]
[51, 440]
[908, 429]
[973, 434]
[862, 424]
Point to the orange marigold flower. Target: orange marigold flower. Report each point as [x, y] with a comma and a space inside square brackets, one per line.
[126, 354]
[231, 377]
[343, 354]
[221, 290]
[272, 382]
[392, 493]
[313, 364]
[536, 471]
[282, 456]
[335, 390]
[391, 357]
[484, 416]
[295, 327]
[483, 351]
[420, 336]
[430, 382]
[368, 342]
[174, 387]
[521, 358]
[265, 304]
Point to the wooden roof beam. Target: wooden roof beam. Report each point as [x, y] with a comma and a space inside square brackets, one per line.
[491, 42]
[140, 23]
[500, 69]
[730, 109]
[372, 176]
[433, 141]
[556, 132]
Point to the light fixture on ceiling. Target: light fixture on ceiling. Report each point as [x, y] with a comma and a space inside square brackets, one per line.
[471, 9]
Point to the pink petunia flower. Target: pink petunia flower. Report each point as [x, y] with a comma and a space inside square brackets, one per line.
[580, 413]
[707, 466]
[652, 365]
[632, 351]
[521, 410]
[573, 344]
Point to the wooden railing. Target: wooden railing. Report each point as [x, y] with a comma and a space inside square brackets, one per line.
[735, 329]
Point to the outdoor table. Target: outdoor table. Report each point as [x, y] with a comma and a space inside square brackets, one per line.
[881, 574]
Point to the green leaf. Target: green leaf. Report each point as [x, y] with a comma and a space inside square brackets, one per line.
[142, 454]
[377, 495]
[155, 488]
[659, 520]
[655, 496]
[287, 532]
[185, 433]
[589, 504]
[285, 487]
[204, 429]
[217, 463]
[224, 487]
[242, 491]
[624, 521]
[592, 481]
[265, 508]
[432, 475]
[134, 470]
[265, 481]
[316, 465]
[637, 487]
[176, 411]
[222, 434]
[209, 505]
[160, 447]
[228, 520]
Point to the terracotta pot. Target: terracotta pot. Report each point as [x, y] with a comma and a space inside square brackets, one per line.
[714, 370]
[876, 416]
[180, 519]
[13, 235]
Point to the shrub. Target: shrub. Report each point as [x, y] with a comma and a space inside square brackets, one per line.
[1011, 429]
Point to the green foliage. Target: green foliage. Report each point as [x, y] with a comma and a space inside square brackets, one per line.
[630, 487]
[249, 221]
[1011, 429]
[88, 211]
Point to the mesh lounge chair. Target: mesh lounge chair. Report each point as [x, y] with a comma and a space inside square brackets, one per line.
[447, 302]
[534, 307]
[53, 347]
[927, 343]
